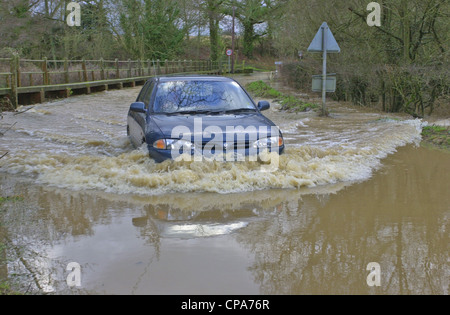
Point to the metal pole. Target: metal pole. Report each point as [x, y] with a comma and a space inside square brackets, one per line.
[324, 72]
[232, 41]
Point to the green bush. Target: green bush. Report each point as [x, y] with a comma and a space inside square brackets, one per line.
[291, 103]
[412, 89]
[299, 74]
[288, 102]
[438, 136]
[262, 89]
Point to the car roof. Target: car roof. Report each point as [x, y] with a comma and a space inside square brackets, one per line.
[193, 77]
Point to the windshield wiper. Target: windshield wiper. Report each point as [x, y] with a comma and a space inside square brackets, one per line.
[193, 112]
[238, 110]
[208, 112]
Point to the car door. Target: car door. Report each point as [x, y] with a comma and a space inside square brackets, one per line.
[137, 121]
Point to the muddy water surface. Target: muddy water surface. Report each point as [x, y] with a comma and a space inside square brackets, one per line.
[351, 189]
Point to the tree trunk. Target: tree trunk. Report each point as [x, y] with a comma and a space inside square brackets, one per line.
[405, 31]
[249, 38]
[214, 38]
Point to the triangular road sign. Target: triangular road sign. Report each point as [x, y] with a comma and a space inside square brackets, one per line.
[330, 42]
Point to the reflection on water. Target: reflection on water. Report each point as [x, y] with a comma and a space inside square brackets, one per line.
[352, 190]
[272, 242]
[322, 244]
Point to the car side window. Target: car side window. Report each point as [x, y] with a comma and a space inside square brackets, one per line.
[144, 89]
[147, 95]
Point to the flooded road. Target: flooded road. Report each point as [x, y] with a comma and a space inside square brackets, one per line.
[351, 189]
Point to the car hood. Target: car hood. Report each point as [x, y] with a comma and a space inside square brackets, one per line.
[198, 123]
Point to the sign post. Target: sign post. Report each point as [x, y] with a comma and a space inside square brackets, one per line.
[324, 42]
[324, 71]
[229, 53]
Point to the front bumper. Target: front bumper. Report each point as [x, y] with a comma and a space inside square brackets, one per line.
[160, 155]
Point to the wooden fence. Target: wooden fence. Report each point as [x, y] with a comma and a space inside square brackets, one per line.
[27, 81]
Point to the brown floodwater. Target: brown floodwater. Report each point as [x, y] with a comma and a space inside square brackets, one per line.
[351, 189]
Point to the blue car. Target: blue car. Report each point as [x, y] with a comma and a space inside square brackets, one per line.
[197, 117]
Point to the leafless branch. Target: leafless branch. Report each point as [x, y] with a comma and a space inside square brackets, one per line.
[26, 110]
[1, 157]
[364, 17]
[2, 133]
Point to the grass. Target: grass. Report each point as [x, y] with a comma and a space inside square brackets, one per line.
[288, 102]
[11, 198]
[262, 89]
[291, 103]
[437, 136]
[5, 289]
[429, 130]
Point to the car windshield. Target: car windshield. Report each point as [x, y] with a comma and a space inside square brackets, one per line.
[200, 96]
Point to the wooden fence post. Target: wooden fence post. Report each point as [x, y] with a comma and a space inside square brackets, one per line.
[102, 69]
[8, 78]
[117, 69]
[14, 96]
[19, 81]
[166, 66]
[66, 71]
[140, 67]
[45, 77]
[129, 68]
[85, 75]
[158, 67]
[66, 77]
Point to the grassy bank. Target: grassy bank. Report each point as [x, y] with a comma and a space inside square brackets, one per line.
[288, 102]
[5, 289]
[436, 136]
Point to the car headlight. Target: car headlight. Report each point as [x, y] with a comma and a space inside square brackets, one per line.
[173, 144]
[271, 142]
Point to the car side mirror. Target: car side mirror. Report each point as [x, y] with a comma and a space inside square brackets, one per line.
[263, 105]
[138, 107]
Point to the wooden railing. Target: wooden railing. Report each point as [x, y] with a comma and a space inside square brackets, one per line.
[22, 77]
